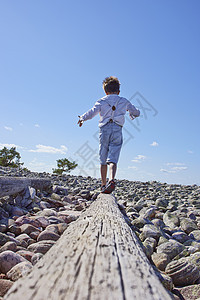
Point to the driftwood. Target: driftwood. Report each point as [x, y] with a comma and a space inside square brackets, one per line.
[13, 185]
[97, 257]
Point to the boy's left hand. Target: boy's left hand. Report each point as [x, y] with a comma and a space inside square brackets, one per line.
[80, 123]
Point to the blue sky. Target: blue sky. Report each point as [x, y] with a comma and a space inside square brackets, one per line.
[53, 58]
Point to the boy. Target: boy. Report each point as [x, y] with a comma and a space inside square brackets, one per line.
[112, 110]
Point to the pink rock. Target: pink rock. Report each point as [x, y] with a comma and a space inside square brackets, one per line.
[68, 219]
[44, 222]
[9, 246]
[41, 247]
[28, 228]
[19, 270]
[53, 228]
[27, 220]
[9, 259]
[57, 228]
[33, 235]
[5, 285]
[26, 254]
[191, 292]
[23, 237]
[48, 235]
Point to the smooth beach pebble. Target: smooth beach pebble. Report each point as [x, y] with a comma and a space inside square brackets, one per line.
[9, 259]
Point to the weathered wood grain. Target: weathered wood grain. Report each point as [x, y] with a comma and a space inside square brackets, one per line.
[98, 257]
[13, 185]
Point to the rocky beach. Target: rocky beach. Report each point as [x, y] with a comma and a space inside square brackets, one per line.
[165, 218]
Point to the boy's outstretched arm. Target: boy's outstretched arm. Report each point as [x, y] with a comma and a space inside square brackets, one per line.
[133, 111]
[91, 113]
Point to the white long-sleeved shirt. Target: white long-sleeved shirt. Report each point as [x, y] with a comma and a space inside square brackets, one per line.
[104, 107]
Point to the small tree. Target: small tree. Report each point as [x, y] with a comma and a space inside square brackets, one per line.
[10, 158]
[64, 165]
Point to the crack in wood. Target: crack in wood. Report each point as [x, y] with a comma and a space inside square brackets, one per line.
[93, 263]
[119, 269]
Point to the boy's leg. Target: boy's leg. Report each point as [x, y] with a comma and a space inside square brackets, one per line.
[112, 171]
[103, 169]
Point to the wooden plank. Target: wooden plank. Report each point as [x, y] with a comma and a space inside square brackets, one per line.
[98, 257]
[13, 185]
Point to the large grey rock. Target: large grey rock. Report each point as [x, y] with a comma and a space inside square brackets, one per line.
[148, 213]
[180, 236]
[160, 260]
[188, 225]
[159, 223]
[150, 230]
[171, 248]
[171, 220]
[140, 222]
[161, 202]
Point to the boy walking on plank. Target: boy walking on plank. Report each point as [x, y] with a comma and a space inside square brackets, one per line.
[112, 109]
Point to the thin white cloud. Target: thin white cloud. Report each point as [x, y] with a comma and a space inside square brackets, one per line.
[10, 146]
[8, 128]
[167, 171]
[49, 149]
[174, 168]
[139, 158]
[179, 168]
[132, 167]
[175, 164]
[154, 144]
[37, 125]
